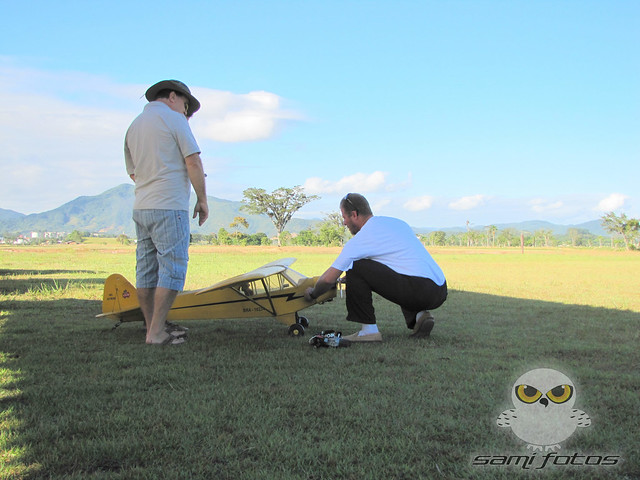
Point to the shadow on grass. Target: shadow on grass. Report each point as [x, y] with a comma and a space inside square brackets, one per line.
[241, 399]
[18, 281]
[35, 273]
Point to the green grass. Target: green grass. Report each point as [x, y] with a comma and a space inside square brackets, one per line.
[242, 400]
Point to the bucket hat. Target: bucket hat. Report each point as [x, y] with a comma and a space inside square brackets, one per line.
[177, 86]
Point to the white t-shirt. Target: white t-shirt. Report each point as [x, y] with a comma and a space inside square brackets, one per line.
[156, 144]
[390, 241]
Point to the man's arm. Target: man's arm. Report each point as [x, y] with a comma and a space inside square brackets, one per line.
[325, 283]
[195, 171]
[128, 161]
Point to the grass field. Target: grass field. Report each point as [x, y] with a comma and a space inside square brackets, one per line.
[242, 400]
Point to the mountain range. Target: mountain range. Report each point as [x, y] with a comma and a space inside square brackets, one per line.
[110, 214]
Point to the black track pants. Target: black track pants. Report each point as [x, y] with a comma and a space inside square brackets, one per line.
[412, 294]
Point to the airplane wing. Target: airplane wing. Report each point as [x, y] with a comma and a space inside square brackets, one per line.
[267, 270]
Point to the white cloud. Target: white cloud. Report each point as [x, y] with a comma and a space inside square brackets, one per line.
[230, 117]
[358, 182]
[66, 129]
[59, 144]
[418, 204]
[611, 203]
[467, 203]
[539, 205]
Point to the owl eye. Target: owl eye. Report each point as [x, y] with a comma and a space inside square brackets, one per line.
[560, 394]
[527, 393]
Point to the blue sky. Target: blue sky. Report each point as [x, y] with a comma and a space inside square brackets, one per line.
[439, 112]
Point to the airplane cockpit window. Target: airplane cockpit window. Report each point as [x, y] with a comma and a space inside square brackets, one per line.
[288, 278]
[276, 282]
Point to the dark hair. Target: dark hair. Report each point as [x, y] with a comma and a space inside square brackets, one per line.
[166, 92]
[355, 202]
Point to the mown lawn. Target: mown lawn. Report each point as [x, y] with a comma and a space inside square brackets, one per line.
[242, 400]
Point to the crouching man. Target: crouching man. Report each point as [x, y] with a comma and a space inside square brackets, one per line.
[384, 256]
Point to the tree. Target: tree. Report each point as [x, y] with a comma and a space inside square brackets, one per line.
[237, 223]
[223, 237]
[284, 238]
[123, 239]
[198, 238]
[456, 238]
[212, 239]
[75, 236]
[628, 228]
[507, 236]
[546, 235]
[307, 238]
[257, 239]
[332, 230]
[438, 238]
[279, 205]
[491, 231]
[575, 236]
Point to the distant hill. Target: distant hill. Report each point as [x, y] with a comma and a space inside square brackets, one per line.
[10, 215]
[110, 213]
[106, 213]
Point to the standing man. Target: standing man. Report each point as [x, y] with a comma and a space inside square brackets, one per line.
[385, 257]
[163, 159]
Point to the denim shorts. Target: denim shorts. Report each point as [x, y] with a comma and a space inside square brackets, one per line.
[162, 253]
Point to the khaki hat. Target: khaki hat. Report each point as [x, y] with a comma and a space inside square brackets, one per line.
[177, 86]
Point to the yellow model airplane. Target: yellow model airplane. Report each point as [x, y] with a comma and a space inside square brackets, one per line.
[273, 290]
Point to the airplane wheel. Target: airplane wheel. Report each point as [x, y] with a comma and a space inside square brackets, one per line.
[296, 330]
[303, 321]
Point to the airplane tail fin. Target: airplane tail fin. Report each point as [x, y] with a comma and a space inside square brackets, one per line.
[120, 299]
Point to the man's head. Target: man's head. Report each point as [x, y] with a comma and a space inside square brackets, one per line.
[176, 94]
[355, 211]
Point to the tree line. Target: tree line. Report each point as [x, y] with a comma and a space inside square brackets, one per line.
[510, 237]
[281, 204]
[330, 234]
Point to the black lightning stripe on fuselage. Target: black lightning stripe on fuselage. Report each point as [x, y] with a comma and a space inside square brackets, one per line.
[288, 296]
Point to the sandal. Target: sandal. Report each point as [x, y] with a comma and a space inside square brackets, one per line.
[175, 333]
[175, 327]
[170, 340]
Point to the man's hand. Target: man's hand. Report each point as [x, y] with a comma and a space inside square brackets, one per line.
[326, 282]
[196, 177]
[307, 295]
[202, 211]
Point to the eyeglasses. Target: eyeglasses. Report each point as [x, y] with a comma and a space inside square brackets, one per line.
[346, 199]
[186, 103]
